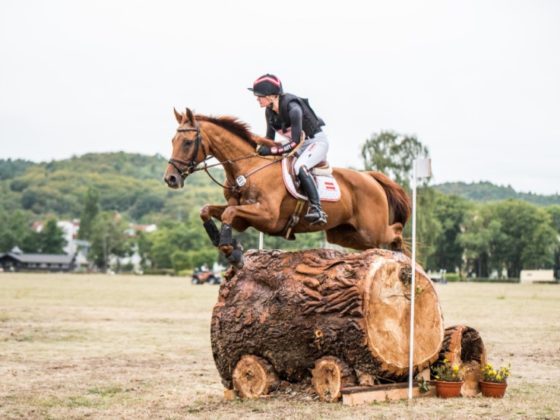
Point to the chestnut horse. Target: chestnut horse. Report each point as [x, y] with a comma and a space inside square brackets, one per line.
[372, 210]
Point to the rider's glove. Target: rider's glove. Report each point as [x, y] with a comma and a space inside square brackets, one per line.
[263, 150]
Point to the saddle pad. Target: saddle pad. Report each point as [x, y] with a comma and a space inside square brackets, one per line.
[326, 185]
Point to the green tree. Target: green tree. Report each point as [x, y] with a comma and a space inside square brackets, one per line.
[554, 213]
[15, 230]
[393, 154]
[180, 260]
[528, 237]
[511, 234]
[451, 212]
[108, 238]
[51, 238]
[481, 237]
[145, 204]
[175, 236]
[90, 211]
[428, 227]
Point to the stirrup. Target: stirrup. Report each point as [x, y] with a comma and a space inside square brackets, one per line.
[320, 217]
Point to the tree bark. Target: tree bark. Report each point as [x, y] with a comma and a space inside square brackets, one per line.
[294, 308]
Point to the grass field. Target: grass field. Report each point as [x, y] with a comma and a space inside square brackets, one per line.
[77, 346]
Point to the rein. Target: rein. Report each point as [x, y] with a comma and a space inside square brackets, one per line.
[192, 166]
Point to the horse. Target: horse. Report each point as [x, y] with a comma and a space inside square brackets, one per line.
[371, 212]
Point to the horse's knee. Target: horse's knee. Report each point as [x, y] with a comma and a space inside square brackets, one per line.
[205, 213]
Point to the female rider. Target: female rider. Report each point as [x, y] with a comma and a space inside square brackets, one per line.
[290, 116]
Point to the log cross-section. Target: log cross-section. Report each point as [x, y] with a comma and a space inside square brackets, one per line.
[329, 376]
[253, 377]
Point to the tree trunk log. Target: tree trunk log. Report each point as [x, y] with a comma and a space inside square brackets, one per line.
[294, 308]
[463, 346]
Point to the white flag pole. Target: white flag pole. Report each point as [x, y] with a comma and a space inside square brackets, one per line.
[412, 285]
[261, 241]
[421, 168]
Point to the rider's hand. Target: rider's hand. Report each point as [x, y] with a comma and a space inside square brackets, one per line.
[263, 150]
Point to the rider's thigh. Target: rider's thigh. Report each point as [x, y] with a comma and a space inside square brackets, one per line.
[313, 154]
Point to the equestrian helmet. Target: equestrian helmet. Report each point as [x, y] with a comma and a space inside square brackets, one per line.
[267, 84]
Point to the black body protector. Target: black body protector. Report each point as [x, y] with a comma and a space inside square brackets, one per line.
[295, 114]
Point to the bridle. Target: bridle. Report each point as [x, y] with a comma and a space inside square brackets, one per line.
[187, 167]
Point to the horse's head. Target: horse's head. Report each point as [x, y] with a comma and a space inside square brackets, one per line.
[187, 150]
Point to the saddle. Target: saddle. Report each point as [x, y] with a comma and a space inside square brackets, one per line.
[322, 174]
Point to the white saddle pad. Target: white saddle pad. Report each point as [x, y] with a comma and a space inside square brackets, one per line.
[326, 185]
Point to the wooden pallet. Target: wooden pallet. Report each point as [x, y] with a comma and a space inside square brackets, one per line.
[357, 395]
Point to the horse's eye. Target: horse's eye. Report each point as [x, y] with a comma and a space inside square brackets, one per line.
[186, 145]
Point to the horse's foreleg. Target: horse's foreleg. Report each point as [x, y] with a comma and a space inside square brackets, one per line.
[222, 238]
[250, 213]
[206, 214]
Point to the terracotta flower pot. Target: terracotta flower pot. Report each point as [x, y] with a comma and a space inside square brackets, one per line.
[493, 389]
[446, 389]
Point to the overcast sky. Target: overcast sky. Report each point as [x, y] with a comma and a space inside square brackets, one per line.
[478, 82]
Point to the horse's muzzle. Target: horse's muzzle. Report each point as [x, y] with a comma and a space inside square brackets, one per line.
[174, 180]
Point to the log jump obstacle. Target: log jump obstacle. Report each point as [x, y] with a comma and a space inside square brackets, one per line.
[335, 320]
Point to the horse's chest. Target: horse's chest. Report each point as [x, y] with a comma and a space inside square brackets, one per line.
[247, 197]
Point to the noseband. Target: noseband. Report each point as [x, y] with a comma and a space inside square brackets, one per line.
[187, 167]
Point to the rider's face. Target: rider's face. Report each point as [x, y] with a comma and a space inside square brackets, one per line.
[264, 101]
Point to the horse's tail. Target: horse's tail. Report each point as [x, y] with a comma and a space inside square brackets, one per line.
[399, 202]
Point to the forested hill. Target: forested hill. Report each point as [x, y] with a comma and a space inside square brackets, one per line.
[129, 183]
[132, 184]
[486, 191]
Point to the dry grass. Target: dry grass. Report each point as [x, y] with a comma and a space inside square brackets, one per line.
[76, 346]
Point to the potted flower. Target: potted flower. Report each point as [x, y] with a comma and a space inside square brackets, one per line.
[494, 381]
[448, 379]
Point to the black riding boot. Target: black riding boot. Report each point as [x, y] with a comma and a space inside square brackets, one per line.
[314, 214]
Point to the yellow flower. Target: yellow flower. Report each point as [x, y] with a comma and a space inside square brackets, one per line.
[455, 369]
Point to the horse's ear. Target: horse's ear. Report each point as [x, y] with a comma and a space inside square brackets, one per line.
[190, 117]
[178, 116]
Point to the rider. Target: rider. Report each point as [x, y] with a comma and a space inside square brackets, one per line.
[290, 116]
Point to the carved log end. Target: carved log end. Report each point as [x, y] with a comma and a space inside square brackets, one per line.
[330, 376]
[253, 377]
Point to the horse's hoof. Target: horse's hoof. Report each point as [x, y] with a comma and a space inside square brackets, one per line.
[236, 258]
[226, 249]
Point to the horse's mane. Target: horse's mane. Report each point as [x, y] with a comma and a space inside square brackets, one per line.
[233, 125]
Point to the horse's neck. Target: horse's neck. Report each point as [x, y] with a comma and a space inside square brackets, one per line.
[226, 146]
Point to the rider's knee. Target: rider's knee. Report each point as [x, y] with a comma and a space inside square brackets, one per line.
[303, 171]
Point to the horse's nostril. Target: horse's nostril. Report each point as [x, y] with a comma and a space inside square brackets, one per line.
[171, 180]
